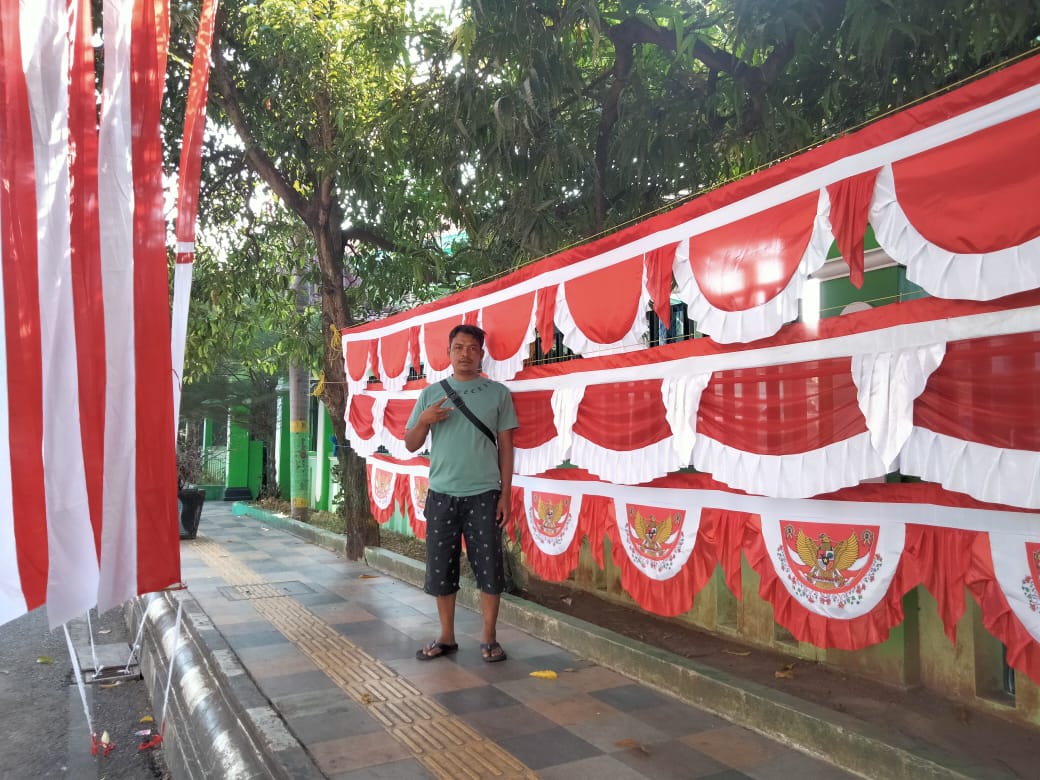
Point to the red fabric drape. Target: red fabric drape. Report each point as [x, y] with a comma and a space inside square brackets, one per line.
[394, 352]
[435, 339]
[535, 415]
[723, 531]
[991, 383]
[506, 324]
[413, 349]
[850, 204]
[623, 416]
[967, 196]
[782, 410]
[395, 418]
[1023, 651]
[659, 279]
[544, 316]
[605, 303]
[942, 557]
[360, 416]
[748, 262]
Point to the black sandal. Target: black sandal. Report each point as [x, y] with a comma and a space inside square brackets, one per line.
[435, 650]
[489, 654]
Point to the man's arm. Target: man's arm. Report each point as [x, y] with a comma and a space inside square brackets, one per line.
[505, 470]
[431, 415]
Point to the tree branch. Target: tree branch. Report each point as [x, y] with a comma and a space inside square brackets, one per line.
[366, 236]
[230, 101]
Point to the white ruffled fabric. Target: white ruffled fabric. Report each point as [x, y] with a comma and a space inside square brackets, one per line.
[576, 341]
[630, 467]
[535, 460]
[945, 274]
[887, 384]
[729, 327]
[366, 447]
[799, 475]
[682, 400]
[565, 403]
[1002, 476]
[397, 449]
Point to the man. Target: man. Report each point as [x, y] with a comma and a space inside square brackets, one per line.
[470, 481]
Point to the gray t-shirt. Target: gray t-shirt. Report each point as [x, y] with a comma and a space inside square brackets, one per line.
[463, 461]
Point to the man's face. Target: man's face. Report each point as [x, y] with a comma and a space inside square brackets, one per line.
[465, 353]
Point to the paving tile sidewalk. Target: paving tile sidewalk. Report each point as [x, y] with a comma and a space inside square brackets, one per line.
[331, 644]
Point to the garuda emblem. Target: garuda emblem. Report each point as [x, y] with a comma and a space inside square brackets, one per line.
[550, 513]
[422, 487]
[382, 484]
[1033, 551]
[827, 561]
[652, 535]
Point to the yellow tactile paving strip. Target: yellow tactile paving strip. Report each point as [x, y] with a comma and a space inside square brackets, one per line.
[444, 744]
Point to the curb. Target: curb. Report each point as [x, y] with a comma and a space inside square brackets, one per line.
[218, 724]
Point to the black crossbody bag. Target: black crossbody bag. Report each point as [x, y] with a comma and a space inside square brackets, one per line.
[461, 406]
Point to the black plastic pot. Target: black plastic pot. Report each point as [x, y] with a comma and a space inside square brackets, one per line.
[191, 501]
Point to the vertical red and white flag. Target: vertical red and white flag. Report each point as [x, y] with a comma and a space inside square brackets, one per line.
[88, 508]
[188, 180]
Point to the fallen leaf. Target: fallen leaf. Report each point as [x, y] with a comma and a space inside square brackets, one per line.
[786, 673]
[544, 674]
[366, 699]
[738, 652]
[147, 719]
[631, 744]
[44, 659]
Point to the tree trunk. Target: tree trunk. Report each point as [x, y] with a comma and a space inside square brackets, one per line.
[359, 525]
[299, 427]
[299, 441]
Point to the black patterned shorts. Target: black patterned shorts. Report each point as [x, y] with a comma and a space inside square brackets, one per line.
[448, 520]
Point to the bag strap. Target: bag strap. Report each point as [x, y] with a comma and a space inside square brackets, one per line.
[461, 406]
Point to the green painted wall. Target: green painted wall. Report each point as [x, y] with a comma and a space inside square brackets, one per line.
[256, 467]
[281, 446]
[237, 456]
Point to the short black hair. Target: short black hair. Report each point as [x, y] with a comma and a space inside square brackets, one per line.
[469, 330]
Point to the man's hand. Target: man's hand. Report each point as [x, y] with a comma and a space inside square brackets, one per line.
[434, 413]
[503, 509]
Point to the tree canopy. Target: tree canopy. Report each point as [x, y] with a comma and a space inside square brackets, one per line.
[347, 136]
